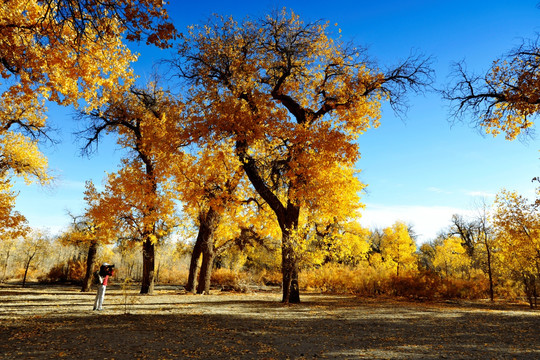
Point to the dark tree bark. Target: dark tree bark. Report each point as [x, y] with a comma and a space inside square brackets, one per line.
[26, 268]
[490, 273]
[287, 216]
[149, 249]
[208, 223]
[206, 271]
[286, 46]
[529, 282]
[289, 270]
[194, 264]
[90, 262]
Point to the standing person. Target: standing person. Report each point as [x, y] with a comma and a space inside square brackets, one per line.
[105, 271]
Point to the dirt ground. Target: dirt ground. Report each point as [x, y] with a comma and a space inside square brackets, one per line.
[50, 322]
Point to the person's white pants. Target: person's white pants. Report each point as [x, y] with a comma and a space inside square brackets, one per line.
[98, 303]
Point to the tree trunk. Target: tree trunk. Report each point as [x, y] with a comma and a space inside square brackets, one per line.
[149, 250]
[208, 223]
[206, 270]
[5, 265]
[194, 264]
[90, 262]
[287, 217]
[26, 270]
[289, 258]
[490, 274]
[289, 269]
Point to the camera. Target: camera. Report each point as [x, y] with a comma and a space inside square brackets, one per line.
[106, 269]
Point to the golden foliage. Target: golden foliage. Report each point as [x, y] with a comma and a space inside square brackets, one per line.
[398, 248]
[451, 258]
[262, 84]
[68, 52]
[517, 224]
[12, 223]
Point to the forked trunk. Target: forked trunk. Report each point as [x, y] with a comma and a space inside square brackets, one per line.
[287, 215]
[90, 262]
[26, 270]
[194, 265]
[206, 271]
[207, 226]
[149, 249]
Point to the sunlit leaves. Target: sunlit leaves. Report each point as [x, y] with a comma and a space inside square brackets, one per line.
[398, 248]
[68, 52]
[504, 100]
[517, 223]
[451, 258]
[12, 223]
[293, 98]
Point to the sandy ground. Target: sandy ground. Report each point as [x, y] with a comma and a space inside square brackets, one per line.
[51, 322]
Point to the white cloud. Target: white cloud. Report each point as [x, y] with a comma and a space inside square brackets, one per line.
[480, 194]
[438, 190]
[427, 221]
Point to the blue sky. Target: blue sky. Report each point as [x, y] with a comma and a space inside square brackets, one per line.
[420, 169]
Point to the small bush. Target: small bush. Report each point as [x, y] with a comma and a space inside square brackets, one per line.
[476, 288]
[172, 276]
[508, 289]
[365, 280]
[269, 278]
[229, 279]
[73, 271]
[335, 278]
[419, 286]
[32, 274]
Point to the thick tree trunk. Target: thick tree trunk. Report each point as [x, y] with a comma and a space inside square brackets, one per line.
[208, 223]
[194, 264]
[287, 217]
[206, 270]
[149, 249]
[90, 262]
[289, 269]
[289, 258]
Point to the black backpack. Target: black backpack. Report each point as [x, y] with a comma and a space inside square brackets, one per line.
[96, 278]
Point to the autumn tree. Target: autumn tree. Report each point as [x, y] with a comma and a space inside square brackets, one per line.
[217, 197]
[207, 184]
[517, 225]
[131, 211]
[450, 257]
[67, 52]
[294, 100]
[64, 51]
[12, 223]
[506, 98]
[139, 196]
[344, 242]
[84, 233]
[8, 246]
[33, 247]
[398, 248]
[477, 238]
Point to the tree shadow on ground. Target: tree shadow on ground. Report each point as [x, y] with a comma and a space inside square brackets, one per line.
[216, 336]
[51, 324]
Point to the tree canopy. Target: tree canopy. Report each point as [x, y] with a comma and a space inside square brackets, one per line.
[294, 100]
[505, 99]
